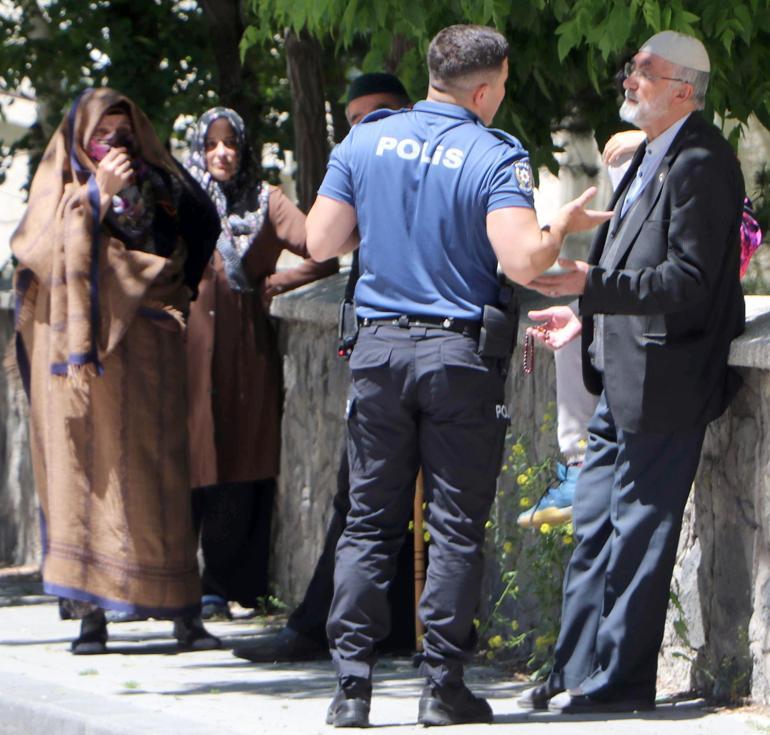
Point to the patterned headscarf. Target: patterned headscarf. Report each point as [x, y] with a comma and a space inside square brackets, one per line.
[240, 202]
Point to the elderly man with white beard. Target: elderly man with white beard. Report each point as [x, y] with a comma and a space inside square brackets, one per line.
[660, 302]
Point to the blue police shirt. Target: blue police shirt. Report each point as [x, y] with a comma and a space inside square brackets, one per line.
[422, 182]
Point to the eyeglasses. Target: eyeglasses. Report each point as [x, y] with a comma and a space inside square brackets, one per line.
[630, 68]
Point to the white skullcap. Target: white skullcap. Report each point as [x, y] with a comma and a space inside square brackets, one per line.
[679, 49]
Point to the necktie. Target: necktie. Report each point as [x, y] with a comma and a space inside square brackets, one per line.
[635, 188]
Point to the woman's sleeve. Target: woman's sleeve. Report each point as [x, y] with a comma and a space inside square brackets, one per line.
[289, 224]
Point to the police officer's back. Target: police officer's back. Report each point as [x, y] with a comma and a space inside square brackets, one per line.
[438, 200]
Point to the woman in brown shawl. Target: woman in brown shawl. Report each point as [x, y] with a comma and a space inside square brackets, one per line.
[234, 365]
[110, 251]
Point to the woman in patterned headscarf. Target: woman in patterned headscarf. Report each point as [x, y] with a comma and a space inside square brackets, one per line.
[110, 250]
[235, 368]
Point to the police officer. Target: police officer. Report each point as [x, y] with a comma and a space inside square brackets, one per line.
[438, 200]
[303, 638]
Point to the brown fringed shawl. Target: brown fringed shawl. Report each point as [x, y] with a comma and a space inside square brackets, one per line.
[61, 241]
[100, 347]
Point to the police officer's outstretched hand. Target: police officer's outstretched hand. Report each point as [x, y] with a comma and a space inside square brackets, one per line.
[574, 217]
[523, 250]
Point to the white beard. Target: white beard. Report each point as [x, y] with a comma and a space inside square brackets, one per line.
[642, 113]
[629, 111]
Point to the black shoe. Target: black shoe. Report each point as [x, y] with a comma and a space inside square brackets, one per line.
[574, 702]
[537, 697]
[192, 636]
[451, 704]
[350, 706]
[286, 645]
[93, 635]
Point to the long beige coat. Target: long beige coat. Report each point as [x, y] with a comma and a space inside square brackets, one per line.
[234, 369]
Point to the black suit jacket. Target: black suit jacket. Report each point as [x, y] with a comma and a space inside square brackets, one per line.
[671, 293]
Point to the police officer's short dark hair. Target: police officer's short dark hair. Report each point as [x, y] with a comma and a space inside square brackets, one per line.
[460, 50]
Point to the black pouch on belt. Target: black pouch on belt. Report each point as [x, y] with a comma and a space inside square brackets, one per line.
[347, 329]
[500, 326]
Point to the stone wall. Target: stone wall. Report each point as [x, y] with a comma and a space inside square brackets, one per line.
[315, 385]
[19, 532]
[717, 641]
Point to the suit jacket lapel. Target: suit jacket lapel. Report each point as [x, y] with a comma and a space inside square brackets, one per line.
[616, 204]
[637, 215]
[639, 212]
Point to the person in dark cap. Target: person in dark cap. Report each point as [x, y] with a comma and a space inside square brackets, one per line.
[304, 636]
[376, 91]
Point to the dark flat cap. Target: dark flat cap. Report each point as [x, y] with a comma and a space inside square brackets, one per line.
[376, 83]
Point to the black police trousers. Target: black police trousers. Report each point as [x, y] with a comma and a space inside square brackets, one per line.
[310, 616]
[419, 397]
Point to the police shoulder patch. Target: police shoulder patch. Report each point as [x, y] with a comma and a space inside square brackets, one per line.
[523, 173]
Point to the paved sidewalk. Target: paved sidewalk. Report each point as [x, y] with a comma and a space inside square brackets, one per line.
[144, 686]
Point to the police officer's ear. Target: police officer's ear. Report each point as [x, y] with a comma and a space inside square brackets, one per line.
[480, 94]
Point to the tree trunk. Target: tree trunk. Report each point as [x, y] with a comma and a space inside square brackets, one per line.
[237, 87]
[304, 63]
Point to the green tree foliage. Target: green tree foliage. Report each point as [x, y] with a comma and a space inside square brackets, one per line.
[564, 53]
[172, 57]
[156, 52]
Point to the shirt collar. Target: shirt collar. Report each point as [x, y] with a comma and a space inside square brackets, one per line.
[659, 147]
[447, 109]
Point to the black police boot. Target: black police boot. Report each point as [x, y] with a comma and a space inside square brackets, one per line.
[451, 704]
[350, 706]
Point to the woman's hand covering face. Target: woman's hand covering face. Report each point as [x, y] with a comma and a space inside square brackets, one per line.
[114, 170]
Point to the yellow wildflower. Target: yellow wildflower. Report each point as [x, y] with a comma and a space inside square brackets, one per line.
[582, 443]
[522, 480]
[488, 524]
[543, 641]
[525, 502]
[545, 528]
[514, 625]
[518, 449]
[507, 547]
[490, 656]
[426, 536]
[567, 540]
[496, 641]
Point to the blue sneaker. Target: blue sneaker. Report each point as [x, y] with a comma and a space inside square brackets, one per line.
[214, 607]
[555, 505]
